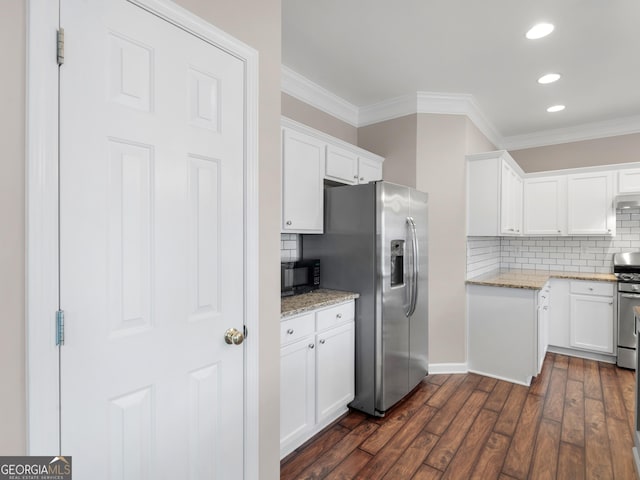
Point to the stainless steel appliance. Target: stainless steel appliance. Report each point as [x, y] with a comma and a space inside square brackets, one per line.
[298, 277]
[375, 243]
[626, 267]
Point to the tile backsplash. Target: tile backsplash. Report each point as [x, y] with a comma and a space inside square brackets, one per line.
[289, 247]
[576, 254]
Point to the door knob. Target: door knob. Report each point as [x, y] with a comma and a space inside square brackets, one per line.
[233, 336]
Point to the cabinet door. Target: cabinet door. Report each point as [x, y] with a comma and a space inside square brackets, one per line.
[629, 180]
[559, 313]
[297, 391]
[369, 170]
[302, 183]
[341, 165]
[591, 323]
[510, 201]
[590, 204]
[545, 206]
[334, 370]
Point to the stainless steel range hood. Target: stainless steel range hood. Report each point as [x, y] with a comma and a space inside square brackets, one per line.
[627, 201]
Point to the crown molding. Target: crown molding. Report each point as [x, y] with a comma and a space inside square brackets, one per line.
[430, 102]
[577, 133]
[305, 90]
[294, 84]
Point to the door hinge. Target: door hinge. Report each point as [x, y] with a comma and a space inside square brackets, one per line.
[60, 48]
[60, 327]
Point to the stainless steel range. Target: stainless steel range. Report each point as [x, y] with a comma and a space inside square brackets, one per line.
[626, 267]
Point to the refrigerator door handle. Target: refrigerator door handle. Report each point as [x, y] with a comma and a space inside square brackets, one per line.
[415, 255]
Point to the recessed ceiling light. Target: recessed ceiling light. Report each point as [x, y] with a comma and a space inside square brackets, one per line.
[549, 78]
[539, 30]
[555, 108]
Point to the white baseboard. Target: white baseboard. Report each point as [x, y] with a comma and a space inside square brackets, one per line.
[498, 377]
[439, 368]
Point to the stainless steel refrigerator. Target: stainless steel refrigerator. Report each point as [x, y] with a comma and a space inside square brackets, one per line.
[375, 243]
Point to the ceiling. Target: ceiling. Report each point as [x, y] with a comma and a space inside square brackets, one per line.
[370, 51]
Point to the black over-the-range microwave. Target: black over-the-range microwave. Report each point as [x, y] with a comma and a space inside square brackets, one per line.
[299, 277]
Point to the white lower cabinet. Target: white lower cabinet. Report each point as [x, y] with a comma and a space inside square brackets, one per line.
[543, 324]
[592, 323]
[316, 372]
[336, 384]
[582, 316]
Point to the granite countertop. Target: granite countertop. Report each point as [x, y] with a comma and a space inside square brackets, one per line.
[305, 302]
[533, 280]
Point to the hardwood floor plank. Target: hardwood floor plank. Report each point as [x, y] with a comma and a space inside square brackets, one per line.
[487, 384]
[613, 404]
[384, 460]
[545, 458]
[520, 451]
[464, 460]
[437, 379]
[571, 462]
[445, 391]
[573, 420]
[592, 384]
[576, 369]
[446, 448]
[554, 402]
[508, 418]
[621, 444]
[561, 361]
[350, 466]
[597, 452]
[627, 382]
[305, 456]
[353, 419]
[413, 456]
[491, 458]
[540, 384]
[498, 396]
[425, 472]
[447, 413]
[341, 450]
[392, 423]
[580, 428]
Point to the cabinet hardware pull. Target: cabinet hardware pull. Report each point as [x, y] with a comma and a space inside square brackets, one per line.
[322, 341]
[362, 179]
[312, 346]
[288, 222]
[290, 331]
[339, 315]
[355, 176]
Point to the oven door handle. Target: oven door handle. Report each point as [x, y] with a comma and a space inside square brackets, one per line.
[630, 295]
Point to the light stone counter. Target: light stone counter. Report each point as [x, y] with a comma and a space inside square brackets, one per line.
[306, 302]
[534, 280]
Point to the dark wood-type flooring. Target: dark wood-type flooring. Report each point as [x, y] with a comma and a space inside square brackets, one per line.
[574, 422]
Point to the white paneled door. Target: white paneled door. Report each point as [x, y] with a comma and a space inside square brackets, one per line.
[151, 247]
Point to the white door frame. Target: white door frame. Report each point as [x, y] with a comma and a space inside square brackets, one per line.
[42, 219]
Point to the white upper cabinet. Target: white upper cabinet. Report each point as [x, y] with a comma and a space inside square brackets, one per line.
[590, 209]
[494, 195]
[369, 170]
[510, 201]
[341, 165]
[302, 183]
[310, 157]
[346, 166]
[545, 206]
[629, 180]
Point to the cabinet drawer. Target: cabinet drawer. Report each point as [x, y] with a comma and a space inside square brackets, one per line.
[296, 328]
[593, 288]
[334, 316]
